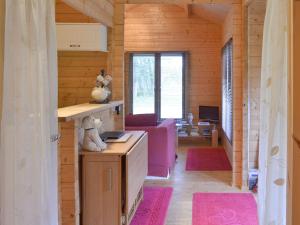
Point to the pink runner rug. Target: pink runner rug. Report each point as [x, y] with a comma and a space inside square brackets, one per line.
[207, 159]
[224, 209]
[153, 209]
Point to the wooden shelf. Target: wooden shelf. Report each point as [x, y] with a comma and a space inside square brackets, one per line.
[79, 111]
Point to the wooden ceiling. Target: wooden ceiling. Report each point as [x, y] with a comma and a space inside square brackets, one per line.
[103, 10]
[213, 12]
[100, 10]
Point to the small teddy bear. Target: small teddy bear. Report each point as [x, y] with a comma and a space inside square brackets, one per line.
[92, 140]
[101, 92]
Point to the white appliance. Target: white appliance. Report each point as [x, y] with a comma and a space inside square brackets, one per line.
[81, 37]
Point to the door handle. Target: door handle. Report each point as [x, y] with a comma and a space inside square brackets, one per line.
[55, 138]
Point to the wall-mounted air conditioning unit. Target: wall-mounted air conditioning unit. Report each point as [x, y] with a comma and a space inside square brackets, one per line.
[81, 37]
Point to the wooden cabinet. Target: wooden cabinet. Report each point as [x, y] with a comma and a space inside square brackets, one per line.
[70, 206]
[101, 185]
[112, 181]
[81, 37]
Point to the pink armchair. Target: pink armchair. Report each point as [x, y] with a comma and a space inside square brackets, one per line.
[161, 141]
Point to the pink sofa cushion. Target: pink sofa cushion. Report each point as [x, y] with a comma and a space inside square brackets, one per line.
[141, 120]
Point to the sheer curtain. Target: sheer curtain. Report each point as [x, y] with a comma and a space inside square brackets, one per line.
[28, 157]
[273, 127]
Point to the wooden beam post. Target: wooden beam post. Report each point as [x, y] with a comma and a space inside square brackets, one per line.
[238, 71]
[69, 203]
[117, 55]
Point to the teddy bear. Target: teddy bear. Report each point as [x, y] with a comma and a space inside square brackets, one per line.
[101, 92]
[92, 140]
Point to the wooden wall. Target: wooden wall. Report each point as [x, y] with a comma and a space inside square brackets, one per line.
[233, 28]
[77, 71]
[163, 27]
[2, 15]
[227, 34]
[255, 24]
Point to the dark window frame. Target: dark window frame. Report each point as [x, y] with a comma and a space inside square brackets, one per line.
[157, 79]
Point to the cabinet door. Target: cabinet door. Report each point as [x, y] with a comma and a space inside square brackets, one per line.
[101, 193]
[137, 169]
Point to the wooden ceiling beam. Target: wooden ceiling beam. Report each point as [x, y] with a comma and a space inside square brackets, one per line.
[178, 1]
[100, 10]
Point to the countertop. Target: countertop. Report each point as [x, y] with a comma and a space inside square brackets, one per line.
[79, 111]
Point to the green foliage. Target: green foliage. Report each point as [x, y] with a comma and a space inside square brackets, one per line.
[144, 75]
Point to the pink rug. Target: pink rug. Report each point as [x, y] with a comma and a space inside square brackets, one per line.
[153, 209]
[207, 159]
[224, 209]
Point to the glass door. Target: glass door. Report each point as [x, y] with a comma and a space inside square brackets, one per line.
[143, 83]
[171, 85]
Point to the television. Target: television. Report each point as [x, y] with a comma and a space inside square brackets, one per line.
[209, 113]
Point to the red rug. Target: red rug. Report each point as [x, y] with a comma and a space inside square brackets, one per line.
[153, 209]
[224, 209]
[207, 159]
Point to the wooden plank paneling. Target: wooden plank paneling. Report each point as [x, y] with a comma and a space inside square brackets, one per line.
[68, 174]
[233, 28]
[116, 55]
[256, 15]
[158, 27]
[77, 73]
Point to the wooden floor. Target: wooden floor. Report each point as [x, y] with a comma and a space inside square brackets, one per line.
[187, 183]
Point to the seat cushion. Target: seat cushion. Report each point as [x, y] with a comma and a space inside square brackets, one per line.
[140, 120]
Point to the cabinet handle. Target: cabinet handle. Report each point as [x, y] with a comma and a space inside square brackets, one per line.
[74, 46]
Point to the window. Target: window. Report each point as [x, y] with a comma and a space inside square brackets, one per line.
[157, 84]
[143, 80]
[227, 95]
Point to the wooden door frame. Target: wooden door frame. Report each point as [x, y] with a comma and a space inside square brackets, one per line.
[293, 192]
[2, 25]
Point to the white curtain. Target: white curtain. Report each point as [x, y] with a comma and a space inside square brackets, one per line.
[28, 158]
[273, 122]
